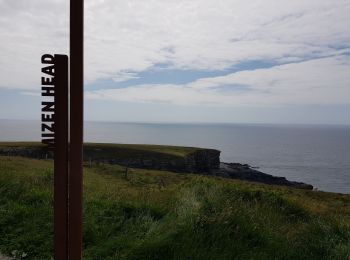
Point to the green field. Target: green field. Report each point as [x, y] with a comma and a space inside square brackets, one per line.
[162, 215]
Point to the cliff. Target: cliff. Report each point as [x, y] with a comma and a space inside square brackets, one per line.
[158, 157]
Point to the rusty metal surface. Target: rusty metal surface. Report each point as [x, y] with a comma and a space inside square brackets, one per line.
[76, 128]
[61, 159]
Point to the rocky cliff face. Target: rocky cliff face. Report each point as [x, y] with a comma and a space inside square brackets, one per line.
[201, 160]
[197, 162]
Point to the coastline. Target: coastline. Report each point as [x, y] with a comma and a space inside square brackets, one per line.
[159, 157]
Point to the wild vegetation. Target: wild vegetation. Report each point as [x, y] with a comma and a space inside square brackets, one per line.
[152, 214]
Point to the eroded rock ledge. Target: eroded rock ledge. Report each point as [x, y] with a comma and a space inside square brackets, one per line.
[246, 172]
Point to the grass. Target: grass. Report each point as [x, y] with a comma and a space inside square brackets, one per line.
[161, 149]
[163, 215]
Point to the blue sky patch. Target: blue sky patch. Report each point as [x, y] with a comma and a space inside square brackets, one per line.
[163, 74]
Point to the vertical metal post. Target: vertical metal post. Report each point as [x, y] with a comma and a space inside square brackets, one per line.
[61, 159]
[76, 128]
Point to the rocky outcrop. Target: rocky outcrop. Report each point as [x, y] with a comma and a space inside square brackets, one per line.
[202, 160]
[245, 172]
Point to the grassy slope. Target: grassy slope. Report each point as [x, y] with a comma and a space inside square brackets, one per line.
[161, 215]
[165, 149]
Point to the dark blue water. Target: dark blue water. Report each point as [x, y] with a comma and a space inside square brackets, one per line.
[319, 155]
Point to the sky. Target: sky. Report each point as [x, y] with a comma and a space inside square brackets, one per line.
[232, 61]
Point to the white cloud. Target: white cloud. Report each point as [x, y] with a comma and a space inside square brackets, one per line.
[205, 34]
[322, 81]
[125, 37]
[215, 35]
[29, 29]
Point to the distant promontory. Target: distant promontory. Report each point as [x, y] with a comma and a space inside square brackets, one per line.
[158, 157]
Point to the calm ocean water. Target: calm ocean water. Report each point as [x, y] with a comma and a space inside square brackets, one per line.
[319, 155]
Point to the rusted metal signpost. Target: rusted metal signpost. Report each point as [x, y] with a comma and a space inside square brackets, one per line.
[76, 128]
[62, 132]
[54, 129]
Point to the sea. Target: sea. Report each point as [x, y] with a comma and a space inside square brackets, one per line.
[314, 154]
